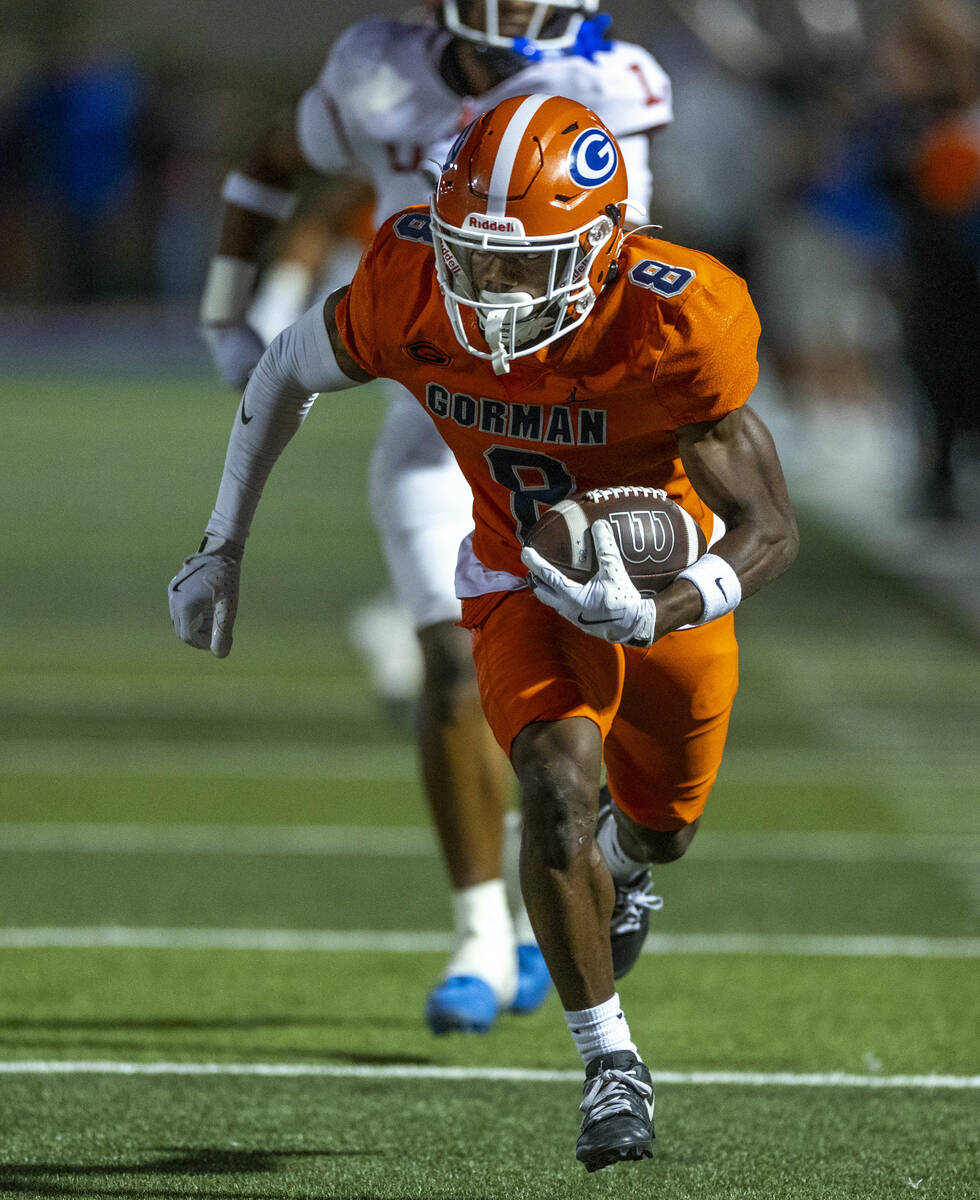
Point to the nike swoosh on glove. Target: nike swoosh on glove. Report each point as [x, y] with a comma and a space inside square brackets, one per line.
[204, 600]
[235, 349]
[608, 605]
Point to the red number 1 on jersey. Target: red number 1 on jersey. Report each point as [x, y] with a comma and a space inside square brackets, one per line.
[650, 97]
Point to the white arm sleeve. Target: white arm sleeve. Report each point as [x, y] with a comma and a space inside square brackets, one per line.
[299, 364]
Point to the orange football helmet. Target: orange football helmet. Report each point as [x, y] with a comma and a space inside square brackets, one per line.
[535, 175]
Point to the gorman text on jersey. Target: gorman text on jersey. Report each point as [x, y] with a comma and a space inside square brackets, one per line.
[556, 424]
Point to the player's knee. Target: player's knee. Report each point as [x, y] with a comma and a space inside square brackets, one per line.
[559, 812]
[665, 845]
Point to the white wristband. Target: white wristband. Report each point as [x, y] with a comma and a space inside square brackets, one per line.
[245, 192]
[718, 584]
[227, 290]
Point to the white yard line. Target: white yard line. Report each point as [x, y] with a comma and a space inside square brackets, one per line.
[916, 769]
[411, 942]
[831, 1079]
[52, 837]
[892, 742]
[257, 760]
[56, 837]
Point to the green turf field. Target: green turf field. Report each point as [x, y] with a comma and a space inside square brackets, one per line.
[222, 908]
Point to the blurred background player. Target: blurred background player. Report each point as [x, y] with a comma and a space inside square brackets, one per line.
[390, 101]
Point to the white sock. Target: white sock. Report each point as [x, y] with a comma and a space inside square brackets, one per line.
[600, 1030]
[485, 944]
[620, 865]
[522, 928]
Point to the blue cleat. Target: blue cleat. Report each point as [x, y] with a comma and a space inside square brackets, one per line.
[461, 1004]
[533, 980]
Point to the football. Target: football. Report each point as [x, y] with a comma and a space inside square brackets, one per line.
[656, 537]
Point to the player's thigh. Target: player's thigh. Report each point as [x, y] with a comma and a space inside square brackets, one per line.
[666, 744]
[422, 507]
[407, 439]
[533, 666]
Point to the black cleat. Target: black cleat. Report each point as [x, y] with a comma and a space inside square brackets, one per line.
[630, 920]
[617, 1107]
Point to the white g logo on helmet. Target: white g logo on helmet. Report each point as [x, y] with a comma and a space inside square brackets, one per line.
[593, 158]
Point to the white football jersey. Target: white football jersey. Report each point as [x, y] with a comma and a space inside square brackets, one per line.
[381, 109]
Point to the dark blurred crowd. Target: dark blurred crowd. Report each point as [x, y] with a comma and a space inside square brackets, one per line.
[836, 163]
[829, 150]
[110, 166]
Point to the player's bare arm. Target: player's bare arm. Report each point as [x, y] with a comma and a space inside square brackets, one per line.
[733, 465]
[258, 196]
[274, 160]
[735, 469]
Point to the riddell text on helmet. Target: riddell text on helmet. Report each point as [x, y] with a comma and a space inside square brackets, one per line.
[494, 224]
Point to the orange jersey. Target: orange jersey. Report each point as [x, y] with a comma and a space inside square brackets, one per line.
[671, 341]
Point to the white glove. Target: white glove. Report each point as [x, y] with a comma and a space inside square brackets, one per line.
[204, 598]
[608, 605]
[235, 350]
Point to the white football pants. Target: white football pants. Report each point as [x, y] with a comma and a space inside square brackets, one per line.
[422, 507]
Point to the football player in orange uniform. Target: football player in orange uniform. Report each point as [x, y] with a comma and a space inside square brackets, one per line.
[554, 353]
[389, 102]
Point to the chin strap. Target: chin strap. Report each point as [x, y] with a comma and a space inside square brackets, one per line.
[492, 331]
[492, 323]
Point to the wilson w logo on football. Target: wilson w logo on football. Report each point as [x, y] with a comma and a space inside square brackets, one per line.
[643, 536]
[656, 537]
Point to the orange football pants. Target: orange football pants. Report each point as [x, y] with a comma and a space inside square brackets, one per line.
[663, 712]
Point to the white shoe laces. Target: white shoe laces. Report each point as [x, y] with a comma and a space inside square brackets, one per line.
[630, 904]
[608, 1094]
